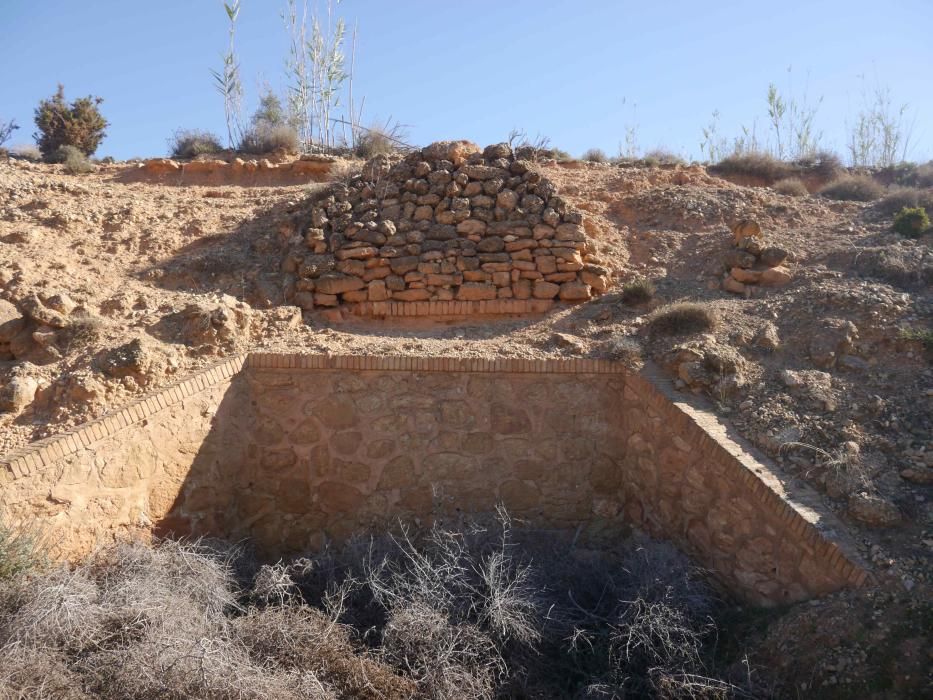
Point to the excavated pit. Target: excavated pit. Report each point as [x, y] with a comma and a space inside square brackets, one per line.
[293, 451]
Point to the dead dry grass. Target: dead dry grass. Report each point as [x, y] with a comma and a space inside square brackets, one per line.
[479, 611]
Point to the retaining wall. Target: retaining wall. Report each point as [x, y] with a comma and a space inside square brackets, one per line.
[299, 449]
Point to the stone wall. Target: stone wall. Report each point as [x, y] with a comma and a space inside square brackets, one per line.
[122, 474]
[448, 223]
[303, 449]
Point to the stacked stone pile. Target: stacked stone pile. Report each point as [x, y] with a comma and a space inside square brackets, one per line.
[753, 262]
[450, 222]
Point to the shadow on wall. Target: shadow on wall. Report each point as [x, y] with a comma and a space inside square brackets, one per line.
[299, 458]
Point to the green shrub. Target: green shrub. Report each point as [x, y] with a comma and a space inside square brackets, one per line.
[911, 222]
[681, 318]
[920, 335]
[265, 138]
[762, 166]
[190, 143]
[79, 124]
[638, 291]
[791, 186]
[595, 155]
[73, 159]
[853, 188]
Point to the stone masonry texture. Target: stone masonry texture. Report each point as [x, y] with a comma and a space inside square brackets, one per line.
[448, 223]
[297, 450]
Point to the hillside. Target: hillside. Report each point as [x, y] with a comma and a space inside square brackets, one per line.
[813, 339]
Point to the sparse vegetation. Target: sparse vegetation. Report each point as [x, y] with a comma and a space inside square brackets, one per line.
[480, 612]
[627, 351]
[880, 135]
[853, 188]
[595, 155]
[791, 187]
[22, 549]
[378, 140]
[792, 121]
[682, 318]
[638, 291]
[191, 143]
[911, 222]
[899, 197]
[756, 165]
[227, 80]
[6, 131]
[825, 165]
[921, 335]
[73, 159]
[78, 124]
[659, 156]
[265, 138]
[27, 152]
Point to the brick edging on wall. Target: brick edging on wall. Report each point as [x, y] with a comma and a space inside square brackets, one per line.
[391, 363]
[42, 454]
[798, 508]
[450, 308]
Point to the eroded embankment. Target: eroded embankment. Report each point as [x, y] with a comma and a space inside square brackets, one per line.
[293, 450]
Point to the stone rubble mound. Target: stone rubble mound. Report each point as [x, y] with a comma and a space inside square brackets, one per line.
[753, 262]
[450, 222]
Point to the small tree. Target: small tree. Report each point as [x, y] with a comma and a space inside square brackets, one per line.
[79, 124]
[270, 110]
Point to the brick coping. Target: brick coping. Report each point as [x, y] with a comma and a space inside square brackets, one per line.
[42, 454]
[800, 509]
[392, 309]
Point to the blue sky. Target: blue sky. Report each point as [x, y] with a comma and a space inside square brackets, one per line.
[579, 72]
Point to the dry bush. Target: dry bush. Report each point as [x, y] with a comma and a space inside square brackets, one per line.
[26, 152]
[659, 156]
[823, 164]
[853, 188]
[900, 266]
[760, 166]
[446, 660]
[899, 197]
[191, 143]
[23, 547]
[640, 290]
[26, 672]
[265, 138]
[682, 318]
[627, 351]
[791, 187]
[83, 332]
[302, 639]
[73, 159]
[455, 613]
[6, 131]
[595, 155]
[373, 142]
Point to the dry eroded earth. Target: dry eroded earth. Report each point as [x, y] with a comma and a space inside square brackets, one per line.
[123, 286]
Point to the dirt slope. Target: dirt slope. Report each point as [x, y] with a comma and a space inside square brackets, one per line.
[111, 287]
